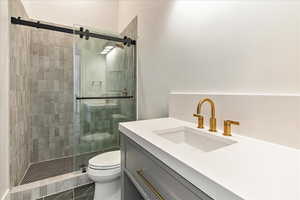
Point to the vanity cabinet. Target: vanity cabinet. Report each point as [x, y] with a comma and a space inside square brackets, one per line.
[146, 177]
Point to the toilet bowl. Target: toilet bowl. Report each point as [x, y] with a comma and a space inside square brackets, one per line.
[105, 171]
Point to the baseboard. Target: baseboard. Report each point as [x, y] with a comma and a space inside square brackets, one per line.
[6, 195]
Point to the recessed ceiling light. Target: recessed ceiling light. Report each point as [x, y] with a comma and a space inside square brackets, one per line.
[107, 49]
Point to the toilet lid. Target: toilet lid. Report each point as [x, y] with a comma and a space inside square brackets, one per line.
[107, 160]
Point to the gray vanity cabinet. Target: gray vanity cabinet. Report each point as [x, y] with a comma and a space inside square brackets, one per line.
[146, 177]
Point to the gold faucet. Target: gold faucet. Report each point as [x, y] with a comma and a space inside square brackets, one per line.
[213, 120]
[227, 126]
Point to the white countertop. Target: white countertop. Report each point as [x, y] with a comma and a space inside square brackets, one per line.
[250, 169]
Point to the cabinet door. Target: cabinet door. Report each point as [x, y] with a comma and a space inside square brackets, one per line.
[156, 178]
[130, 190]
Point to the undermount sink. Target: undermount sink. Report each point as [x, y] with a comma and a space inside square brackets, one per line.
[190, 138]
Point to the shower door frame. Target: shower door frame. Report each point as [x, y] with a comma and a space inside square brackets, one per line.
[77, 98]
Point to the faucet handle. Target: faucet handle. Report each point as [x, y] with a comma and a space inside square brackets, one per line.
[227, 126]
[200, 120]
[232, 122]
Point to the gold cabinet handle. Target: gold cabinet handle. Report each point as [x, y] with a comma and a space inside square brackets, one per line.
[149, 185]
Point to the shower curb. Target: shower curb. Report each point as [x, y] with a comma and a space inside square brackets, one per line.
[50, 186]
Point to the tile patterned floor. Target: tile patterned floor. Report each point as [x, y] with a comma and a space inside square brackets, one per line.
[85, 192]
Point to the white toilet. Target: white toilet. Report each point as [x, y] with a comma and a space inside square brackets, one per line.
[105, 170]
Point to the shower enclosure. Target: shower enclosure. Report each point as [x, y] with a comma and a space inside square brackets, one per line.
[68, 94]
[105, 80]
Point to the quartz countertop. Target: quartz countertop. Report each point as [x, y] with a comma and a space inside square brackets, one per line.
[249, 169]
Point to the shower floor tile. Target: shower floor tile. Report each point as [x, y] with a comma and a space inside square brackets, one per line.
[47, 169]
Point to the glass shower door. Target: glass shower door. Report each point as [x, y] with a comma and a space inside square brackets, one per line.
[105, 88]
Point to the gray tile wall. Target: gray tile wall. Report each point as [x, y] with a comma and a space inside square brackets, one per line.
[41, 95]
[51, 94]
[20, 104]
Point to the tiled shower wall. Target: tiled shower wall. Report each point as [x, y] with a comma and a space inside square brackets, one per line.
[121, 73]
[20, 104]
[41, 95]
[51, 94]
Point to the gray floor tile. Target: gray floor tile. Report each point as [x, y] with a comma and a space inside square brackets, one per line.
[85, 192]
[67, 195]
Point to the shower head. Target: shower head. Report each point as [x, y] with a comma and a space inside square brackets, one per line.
[120, 45]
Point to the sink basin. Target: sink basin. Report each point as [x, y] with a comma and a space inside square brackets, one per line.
[190, 138]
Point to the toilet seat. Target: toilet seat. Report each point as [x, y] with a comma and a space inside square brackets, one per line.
[106, 161]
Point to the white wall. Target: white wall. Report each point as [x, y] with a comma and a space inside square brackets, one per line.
[100, 14]
[4, 98]
[214, 46]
